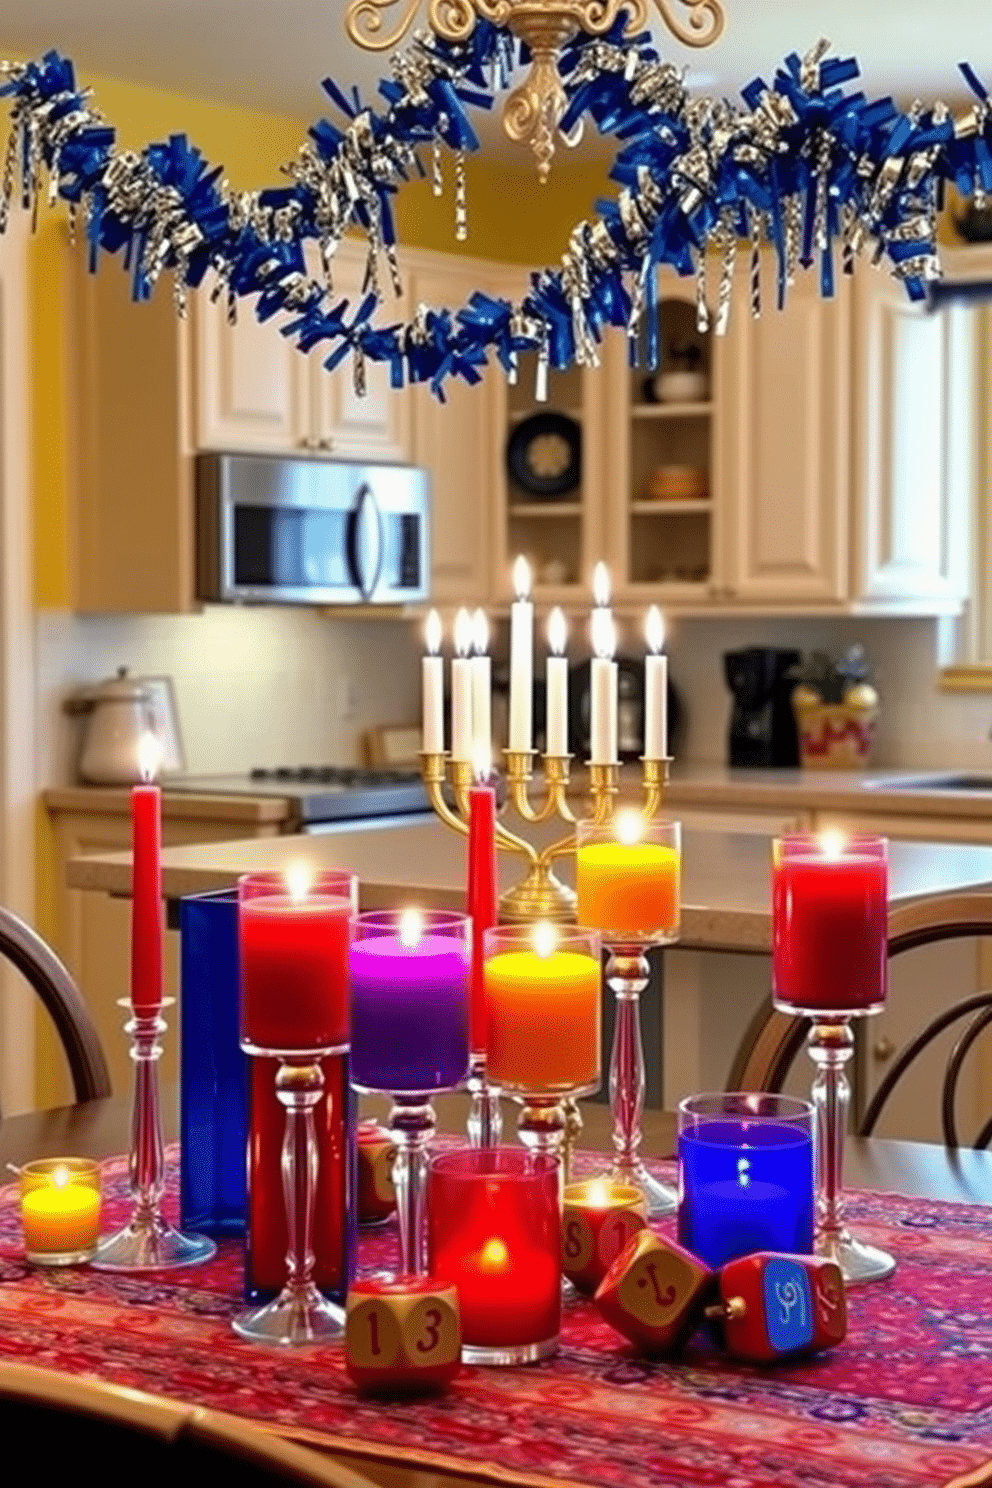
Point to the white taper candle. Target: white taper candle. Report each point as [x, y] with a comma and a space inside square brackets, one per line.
[603, 691]
[556, 691]
[432, 687]
[521, 660]
[482, 727]
[461, 691]
[655, 689]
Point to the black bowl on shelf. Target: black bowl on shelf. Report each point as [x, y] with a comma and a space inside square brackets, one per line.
[544, 455]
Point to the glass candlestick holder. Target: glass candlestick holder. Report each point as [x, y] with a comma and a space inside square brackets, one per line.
[830, 964]
[628, 873]
[293, 933]
[410, 990]
[485, 1115]
[148, 1242]
[544, 1026]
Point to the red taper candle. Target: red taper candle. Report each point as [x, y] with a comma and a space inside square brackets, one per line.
[146, 883]
[481, 903]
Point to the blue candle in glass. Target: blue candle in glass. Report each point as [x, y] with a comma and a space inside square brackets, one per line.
[745, 1176]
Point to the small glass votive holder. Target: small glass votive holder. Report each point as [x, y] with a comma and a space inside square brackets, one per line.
[745, 1175]
[494, 1232]
[60, 1210]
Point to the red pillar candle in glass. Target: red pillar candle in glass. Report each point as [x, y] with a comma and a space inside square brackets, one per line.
[829, 924]
[494, 1232]
[146, 883]
[294, 960]
[481, 903]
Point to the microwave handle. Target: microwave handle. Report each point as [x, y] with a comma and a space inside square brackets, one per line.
[365, 510]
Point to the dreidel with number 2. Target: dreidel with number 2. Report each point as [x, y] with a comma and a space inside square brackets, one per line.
[655, 1293]
[779, 1306]
[402, 1335]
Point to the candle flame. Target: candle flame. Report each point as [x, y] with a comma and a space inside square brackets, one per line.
[832, 844]
[463, 632]
[629, 827]
[604, 634]
[598, 1194]
[494, 1254]
[521, 578]
[545, 939]
[480, 633]
[149, 756]
[482, 760]
[298, 880]
[655, 628]
[411, 926]
[557, 631]
[601, 584]
[60, 1176]
[432, 633]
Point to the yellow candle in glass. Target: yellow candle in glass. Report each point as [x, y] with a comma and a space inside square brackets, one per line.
[628, 885]
[60, 1209]
[543, 1021]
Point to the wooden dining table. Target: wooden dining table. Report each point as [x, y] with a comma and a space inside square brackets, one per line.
[102, 1129]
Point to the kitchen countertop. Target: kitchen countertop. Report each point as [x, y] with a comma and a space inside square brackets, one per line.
[725, 891]
[113, 800]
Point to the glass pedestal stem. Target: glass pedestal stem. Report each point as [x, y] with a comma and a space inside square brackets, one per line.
[485, 1115]
[627, 973]
[300, 1313]
[831, 1044]
[148, 1242]
[541, 1127]
[411, 1126]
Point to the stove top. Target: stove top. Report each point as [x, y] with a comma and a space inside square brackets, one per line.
[321, 793]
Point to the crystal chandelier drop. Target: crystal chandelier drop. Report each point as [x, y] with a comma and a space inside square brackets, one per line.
[534, 109]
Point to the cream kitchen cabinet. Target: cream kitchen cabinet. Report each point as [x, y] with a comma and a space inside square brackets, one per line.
[256, 393]
[783, 488]
[915, 391]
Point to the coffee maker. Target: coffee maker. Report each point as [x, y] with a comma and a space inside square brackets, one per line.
[762, 724]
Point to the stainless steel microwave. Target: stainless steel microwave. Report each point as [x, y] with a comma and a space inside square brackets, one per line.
[311, 531]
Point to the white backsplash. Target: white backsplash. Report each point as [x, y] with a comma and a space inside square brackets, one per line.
[265, 685]
[254, 686]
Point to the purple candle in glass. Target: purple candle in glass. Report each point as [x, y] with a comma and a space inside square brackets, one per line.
[409, 1001]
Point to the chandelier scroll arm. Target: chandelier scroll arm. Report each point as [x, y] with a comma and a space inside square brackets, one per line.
[705, 22]
[364, 24]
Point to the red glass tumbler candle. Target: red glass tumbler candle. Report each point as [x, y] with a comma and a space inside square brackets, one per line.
[293, 933]
[485, 1122]
[830, 964]
[494, 1232]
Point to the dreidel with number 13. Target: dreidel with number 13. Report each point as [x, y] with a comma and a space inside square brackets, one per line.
[779, 1306]
[402, 1335]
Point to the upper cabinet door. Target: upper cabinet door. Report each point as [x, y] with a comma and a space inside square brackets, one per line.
[453, 441]
[252, 385]
[375, 425]
[915, 443]
[784, 457]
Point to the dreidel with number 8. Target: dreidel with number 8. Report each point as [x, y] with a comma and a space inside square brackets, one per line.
[376, 1195]
[779, 1306]
[402, 1335]
[599, 1220]
[655, 1293]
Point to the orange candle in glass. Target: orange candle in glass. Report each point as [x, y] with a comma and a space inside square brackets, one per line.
[543, 1007]
[628, 875]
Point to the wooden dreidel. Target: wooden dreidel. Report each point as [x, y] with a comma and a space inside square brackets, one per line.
[599, 1220]
[780, 1306]
[376, 1195]
[402, 1335]
[655, 1293]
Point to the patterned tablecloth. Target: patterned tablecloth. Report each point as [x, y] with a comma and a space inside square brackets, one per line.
[906, 1401]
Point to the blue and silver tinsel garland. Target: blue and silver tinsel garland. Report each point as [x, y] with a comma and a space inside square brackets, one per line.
[805, 162]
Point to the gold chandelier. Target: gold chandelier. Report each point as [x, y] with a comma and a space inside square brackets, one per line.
[533, 110]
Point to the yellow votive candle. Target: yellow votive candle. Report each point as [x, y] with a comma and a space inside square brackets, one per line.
[60, 1210]
[542, 1020]
[630, 887]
